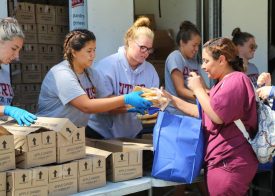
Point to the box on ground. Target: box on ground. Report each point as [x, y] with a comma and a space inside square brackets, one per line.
[34, 146]
[63, 179]
[27, 182]
[7, 153]
[91, 170]
[122, 164]
[70, 140]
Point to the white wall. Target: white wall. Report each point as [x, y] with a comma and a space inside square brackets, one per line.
[109, 20]
[173, 12]
[3, 9]
[251, 16]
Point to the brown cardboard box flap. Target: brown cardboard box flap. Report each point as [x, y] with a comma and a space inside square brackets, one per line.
[13, 128]
[96, 151]
[61, 125]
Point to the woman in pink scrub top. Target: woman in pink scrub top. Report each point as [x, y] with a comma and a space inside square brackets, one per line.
[230, 163]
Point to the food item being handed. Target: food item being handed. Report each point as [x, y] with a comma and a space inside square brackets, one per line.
[154, 95]
[147, 118]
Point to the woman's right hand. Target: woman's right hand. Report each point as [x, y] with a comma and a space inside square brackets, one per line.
[194, 81]
[134, 99]
[264, 79]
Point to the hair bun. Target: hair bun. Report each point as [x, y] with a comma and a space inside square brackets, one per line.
[237, 31]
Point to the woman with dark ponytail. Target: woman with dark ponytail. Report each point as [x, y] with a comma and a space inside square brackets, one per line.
[246, 45]
[181, 62]
[230, 162]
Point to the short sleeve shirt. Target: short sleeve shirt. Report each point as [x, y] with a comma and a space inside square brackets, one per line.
[221, 140]
[60, 86]
[6, 92]
[176, 60]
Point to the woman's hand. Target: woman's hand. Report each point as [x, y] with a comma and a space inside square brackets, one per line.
[264, 92]
[194, 82]
[264, 79]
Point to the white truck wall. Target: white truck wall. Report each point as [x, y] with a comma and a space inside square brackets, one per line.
[4, 9]
[109, 20]
[173, 12]
[251, 16]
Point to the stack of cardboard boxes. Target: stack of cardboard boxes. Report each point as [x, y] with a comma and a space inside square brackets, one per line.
[48, 158]
[52, 158]
[45, 27]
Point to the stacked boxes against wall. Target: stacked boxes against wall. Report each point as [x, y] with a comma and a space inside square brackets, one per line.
[45, 27]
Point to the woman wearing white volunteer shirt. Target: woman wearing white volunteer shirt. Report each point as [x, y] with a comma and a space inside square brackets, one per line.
[68, 90]
[246, 46]
[11, 42]
[121, 72]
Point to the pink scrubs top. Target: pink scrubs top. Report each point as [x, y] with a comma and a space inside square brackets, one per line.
[232, 98]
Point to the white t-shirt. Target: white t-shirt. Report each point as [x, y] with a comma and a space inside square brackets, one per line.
[117, 78]
[59, 87]
[176, 60]
[6, 92]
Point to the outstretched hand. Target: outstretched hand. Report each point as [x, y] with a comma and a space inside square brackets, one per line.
[136, 100]
[22, 117]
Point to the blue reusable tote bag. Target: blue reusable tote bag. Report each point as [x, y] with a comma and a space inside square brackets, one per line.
[178, 148]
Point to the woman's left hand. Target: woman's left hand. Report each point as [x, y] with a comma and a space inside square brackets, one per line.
[194, 81]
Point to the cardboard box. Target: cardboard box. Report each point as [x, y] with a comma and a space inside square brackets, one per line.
[27, 182]
[30, 32]
[62, 15]
[7, 154]
[25, 12]
[44, 69]
[163, 45]
[91, 170]
[146, 145]
[34, 146]
[48, 54]
[61, 34]
[16, 73]
[45, 14]
[63, 179]
[47, 34]
[122, 164]
[30, 93]
[31, 73]
[70, 140]
[3, 182]
[160, 68]
[29, 53]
